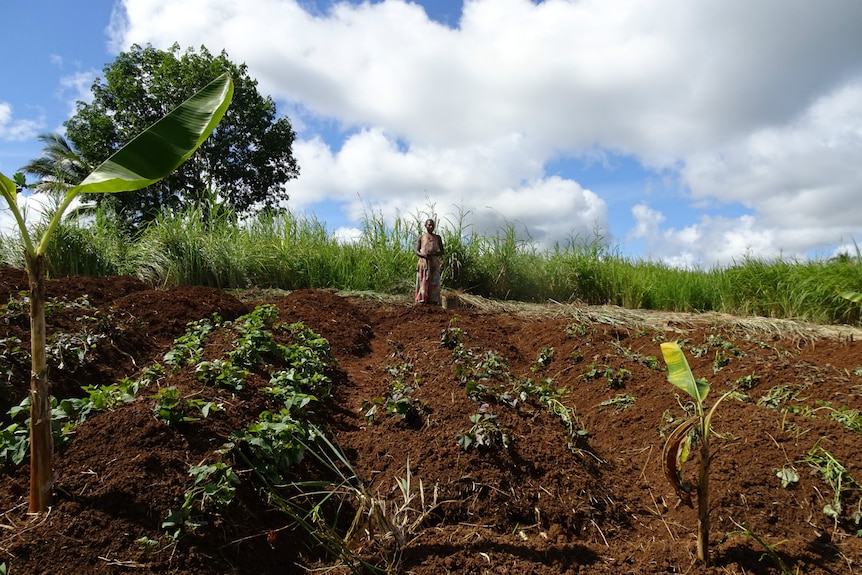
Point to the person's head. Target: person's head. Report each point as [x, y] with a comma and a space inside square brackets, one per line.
[429, 225]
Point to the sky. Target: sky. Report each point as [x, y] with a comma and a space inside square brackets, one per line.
[692, 133]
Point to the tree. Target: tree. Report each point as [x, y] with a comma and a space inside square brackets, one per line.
[247, 161]
[143, 161]
[59, 167]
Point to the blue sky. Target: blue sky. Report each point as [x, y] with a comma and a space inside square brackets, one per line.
[689, 132]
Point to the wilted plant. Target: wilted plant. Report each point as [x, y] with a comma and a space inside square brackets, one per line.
[678, 444]
[834, 473]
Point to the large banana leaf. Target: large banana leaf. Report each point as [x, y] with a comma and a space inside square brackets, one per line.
[152, 154]
[161, 148]
[679, 373]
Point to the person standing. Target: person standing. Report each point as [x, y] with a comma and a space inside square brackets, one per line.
[429, 248]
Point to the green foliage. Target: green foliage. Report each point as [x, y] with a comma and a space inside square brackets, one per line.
[616, 377]
[546, 354]
[172, 408]
[788, 476]
[221, 373]
[649, 361]
[255, 338]
[275, 444]
[246, 161]
[397, 400]
[451, 336]
[620, 401]
[203, 246]
[484, 433]
[189, 346]
[213, 490]
[14, 444]
[309, 358]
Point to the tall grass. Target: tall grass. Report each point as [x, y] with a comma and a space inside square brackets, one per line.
[281, 250]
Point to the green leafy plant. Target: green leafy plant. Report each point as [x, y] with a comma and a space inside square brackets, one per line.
[788, 476]
[450, 337]
[546, 354]
[146, 159]
[275, 444]
[769, 549]
[649, 361]
[172, 408]
[485, 432]
[397, 400]
[678, 444]
[14, 441]
[221, 373]
[188, 347]
[255, 338]
[213, 490]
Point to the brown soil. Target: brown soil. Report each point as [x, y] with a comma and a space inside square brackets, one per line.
[547, 504]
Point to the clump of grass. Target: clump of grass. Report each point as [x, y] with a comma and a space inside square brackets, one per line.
[206, 246]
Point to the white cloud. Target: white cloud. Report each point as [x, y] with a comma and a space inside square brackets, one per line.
[751, 103]
[804, 178]
[372, 171]
[76, 87]
[32, 208]
[16, 130]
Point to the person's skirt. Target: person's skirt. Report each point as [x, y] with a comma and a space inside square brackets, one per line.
[427, 284]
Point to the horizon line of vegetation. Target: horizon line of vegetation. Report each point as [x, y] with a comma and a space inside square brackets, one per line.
[211, 246]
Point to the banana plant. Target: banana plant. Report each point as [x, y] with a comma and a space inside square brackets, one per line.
[678, 444]
[149, 157]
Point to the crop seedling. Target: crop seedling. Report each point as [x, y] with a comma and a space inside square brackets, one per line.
[397, 400]
[746, 382]
[679, 442]
[172, 408]
[769, 549]
[546, 354]
[551, 397]
[788, 476]
[485, 432]
[578, 329]
[274, 444]
[214, 489]
[254, 339]
[450, 337]
[189, 346]
[221, 373]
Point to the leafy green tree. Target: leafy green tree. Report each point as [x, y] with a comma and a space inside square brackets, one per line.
[247, 162]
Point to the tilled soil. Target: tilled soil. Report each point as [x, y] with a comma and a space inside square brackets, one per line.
[590, 498]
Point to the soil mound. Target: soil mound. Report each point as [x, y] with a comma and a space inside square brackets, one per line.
[532, 442]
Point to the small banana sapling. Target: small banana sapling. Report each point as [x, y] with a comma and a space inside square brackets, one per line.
[149, 157]
[678, 444]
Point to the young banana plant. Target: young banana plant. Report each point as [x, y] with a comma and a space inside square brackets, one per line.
[149, 157]
[678, 444]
